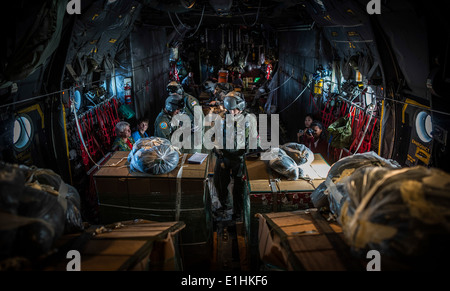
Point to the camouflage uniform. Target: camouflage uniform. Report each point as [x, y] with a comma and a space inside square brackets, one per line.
[120, 145]
[230, 164]
[189, 103]
[163, 128]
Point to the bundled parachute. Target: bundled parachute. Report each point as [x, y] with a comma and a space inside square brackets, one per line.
[154, 156]
[284, 164]
[300, 153]
[36, 208]
[290, 159]
[147, 143]
[330, 193]
[402, 213]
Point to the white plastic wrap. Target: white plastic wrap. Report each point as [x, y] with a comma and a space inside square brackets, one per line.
[155, 160]
[284, 164]
[300, 153]
[147, 143]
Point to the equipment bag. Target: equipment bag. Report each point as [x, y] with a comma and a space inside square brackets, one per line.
[341, 131]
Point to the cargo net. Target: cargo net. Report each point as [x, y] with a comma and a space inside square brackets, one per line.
[328, 116]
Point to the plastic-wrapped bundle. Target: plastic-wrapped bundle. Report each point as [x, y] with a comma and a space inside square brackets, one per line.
[300, 153]
[74, 222]
[402, 213]
[36, 207]
[155, 160]
[41, 218]
[68, 196]
[146, 143]
[32, 215]
[284, 164]
[330, 193]
[12, 183]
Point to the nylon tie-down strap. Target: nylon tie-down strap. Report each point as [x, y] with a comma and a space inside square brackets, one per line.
[178, 198]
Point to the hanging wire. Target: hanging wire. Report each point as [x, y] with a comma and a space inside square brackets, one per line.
[257, 16]
[182, 24]
[301, 93]
[271, 91]
[200, 22]
[378, 97]
[173, 24]
[84, 85]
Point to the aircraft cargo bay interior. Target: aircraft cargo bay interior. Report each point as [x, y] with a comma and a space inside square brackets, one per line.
[219, 135]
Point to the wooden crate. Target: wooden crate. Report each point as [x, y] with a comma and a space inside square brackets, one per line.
[304, 240]
[267, 191]
[180, 195]
[129, 245]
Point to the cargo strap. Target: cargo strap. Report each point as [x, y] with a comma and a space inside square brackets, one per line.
[178, 198]
[342, 249]
[273, 183]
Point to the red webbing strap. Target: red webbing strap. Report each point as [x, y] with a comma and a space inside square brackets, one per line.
[361, 120]
[366, 139]
[103, 130]
[327, 117]
[343, 110]
[116, 108]
[89, 127]
[84, 155]
[98, 148]
[367, 142]
[109, 120]
[311, 97]
[112, 120]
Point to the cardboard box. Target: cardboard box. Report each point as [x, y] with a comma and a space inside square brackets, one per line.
[304, 241]
[127, 245]
[180, 195]
[267, 191]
